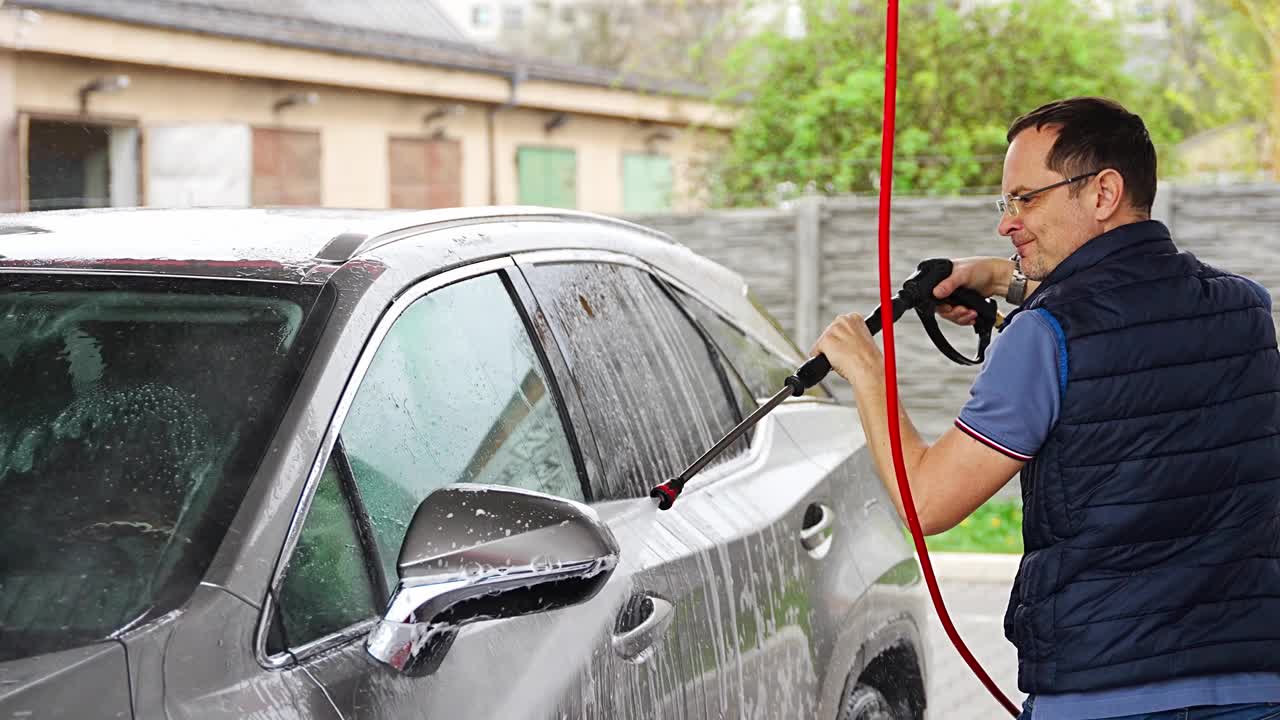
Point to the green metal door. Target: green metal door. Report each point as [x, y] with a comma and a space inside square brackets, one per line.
[547, 176]
[646, 183]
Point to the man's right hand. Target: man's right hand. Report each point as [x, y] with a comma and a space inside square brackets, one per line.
[988, 275]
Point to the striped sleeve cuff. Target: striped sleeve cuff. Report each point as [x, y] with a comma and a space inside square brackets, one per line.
[1002, 449]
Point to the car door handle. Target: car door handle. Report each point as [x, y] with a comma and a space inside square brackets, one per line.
[642, 623]
[816, 534]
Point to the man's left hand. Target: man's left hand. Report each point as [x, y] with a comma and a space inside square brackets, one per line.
[849, 348]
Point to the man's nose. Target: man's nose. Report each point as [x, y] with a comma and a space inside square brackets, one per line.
[1008, 225]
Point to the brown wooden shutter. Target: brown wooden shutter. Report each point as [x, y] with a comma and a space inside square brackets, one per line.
[425, 173]
[286, 167]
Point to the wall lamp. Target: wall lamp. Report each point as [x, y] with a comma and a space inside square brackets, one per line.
[652, 139]
[106, 83]
[555, 121]
[298, 98]
[444, 111]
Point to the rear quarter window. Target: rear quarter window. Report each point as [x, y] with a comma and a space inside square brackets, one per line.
[763, 370]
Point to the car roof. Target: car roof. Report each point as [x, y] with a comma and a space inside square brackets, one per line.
[307, 245]
[280, 244]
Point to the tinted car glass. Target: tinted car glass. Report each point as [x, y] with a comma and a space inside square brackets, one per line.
[327, 585]
[652, 388]
[761, 369]
[742, 394]
[455, 393]
[133, 413]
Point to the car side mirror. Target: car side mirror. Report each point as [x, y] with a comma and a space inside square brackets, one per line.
[484, 552]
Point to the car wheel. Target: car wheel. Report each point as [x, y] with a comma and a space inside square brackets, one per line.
[865, 703]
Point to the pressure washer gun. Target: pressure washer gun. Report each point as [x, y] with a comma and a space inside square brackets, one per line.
[917, 294]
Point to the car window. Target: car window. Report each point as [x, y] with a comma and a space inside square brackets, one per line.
[741, 393]
[653, 391]
[327, 585]
[456, 392]
[133, 415]
[763, 371]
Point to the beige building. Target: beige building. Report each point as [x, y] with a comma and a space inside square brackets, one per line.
[150, 102]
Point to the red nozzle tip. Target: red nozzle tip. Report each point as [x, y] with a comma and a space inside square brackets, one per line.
[666, 494]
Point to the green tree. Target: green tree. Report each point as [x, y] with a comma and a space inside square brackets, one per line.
[1224, 68]
[811, 120]
[667, 39]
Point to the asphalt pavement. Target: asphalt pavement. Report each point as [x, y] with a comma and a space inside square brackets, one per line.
[975, 590]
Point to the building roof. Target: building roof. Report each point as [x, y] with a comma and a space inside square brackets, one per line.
[419, 17]
[415, 32]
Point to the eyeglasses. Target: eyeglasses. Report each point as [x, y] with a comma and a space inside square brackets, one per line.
[1012, 204]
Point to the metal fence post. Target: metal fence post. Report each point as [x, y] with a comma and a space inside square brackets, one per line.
[1163, 209]
[808, 269]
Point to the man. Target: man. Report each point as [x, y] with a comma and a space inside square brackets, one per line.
[1138, 392]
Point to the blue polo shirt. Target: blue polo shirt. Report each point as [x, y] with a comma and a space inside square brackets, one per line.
[1012, 407]
[1015, 399]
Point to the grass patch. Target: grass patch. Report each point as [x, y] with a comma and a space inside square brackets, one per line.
[995, 527]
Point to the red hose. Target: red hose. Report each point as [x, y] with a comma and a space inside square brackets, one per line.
[890, 369]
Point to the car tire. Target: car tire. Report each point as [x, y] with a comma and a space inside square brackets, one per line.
[864, 702]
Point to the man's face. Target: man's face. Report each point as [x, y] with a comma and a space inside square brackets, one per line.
[1052, 224]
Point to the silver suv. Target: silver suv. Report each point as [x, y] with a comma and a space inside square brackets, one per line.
[270, 463]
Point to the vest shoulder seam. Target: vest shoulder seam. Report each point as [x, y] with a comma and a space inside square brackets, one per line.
[1046, 316]
[1073, 295]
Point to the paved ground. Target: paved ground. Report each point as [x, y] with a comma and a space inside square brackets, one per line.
[975, 594]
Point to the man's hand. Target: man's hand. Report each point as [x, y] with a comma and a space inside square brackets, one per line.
[849, 348]
[940, 501]
[988, 275]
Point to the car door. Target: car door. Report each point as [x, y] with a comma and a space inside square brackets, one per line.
[830, 584]
[453, 388]
[728, 557]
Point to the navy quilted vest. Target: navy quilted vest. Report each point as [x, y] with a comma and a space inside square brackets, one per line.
[1152, 512]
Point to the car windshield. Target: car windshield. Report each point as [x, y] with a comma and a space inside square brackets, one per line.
[133, 412]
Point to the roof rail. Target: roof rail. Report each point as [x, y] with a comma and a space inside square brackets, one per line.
[351, 243]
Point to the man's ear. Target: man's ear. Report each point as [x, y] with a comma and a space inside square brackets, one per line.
[1110, 195]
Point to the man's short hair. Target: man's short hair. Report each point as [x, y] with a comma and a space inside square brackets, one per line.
[1095, 134]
